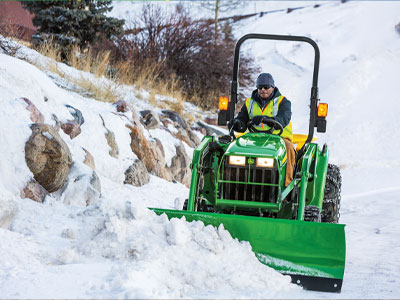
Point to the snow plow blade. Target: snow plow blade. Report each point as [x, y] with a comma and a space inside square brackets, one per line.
[313, 254]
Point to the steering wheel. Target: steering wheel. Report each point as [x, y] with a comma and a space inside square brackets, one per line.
[275, 125]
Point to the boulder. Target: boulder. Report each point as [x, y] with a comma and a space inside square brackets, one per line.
[121, 106]
[76, 113]
[149, 119]
[141, 147]
[210, 130]
[193, 137]
[36, 115]
[83, 187]
[137, 174]
[48, 157]
[34, 191]
[160, 167]
[89, 160]
[174, 116]
[149, 153]
[183, 136]
[211, 120]
[57, 125]
[114, 151]
[71, 128]
[180, 166]
[110, 137]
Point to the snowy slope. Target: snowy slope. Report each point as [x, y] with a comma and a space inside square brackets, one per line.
[119, 249]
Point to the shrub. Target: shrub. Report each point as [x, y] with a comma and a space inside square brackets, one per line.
[175, 46]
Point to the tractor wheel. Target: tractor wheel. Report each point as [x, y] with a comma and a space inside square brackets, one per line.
[312, 213]
[331, 203]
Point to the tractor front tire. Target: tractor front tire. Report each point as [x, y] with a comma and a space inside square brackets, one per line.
[312, 213]
[331, 203]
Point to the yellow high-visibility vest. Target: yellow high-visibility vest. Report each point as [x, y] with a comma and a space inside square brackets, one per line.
[271, 110]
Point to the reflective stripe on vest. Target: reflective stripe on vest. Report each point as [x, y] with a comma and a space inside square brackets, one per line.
[271, 110]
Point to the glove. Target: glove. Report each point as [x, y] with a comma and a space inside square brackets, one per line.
[237, 125]
[259, 119]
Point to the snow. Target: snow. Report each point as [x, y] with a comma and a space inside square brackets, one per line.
[117, 248]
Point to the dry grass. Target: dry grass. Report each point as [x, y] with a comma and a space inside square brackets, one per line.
[152, 98]
[147, 77]
[105, 92]
[51, 50]
[97, 64]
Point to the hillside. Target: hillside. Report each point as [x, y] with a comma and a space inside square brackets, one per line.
[89, 242]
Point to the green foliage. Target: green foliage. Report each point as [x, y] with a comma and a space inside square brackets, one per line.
[73, 22]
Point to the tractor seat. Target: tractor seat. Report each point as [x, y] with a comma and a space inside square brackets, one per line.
[299, 140]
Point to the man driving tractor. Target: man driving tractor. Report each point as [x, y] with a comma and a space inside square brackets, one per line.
[266, 102]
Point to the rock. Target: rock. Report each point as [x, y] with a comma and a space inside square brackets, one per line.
[83, 187]
[135, 118]
[160, 167]
[114, 151]
[193, 137]
[72, 128]
[182, 135]
[397, 28]
[121, 105]
[211, 121]
[110, 137]
[89, 160]
[8, 210]
[57, 126]
[211, 130]
[180, 166]
[149, 153]
[149, 119]
[160, 147]
[166, 122]
[76, 113]
[95, 182]
[137, 174]
[48, 157]
[140, 146]
[174, 116]
[34, 191]
[36, 115]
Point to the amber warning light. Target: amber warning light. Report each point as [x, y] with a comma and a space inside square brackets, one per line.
[223, 103]
[322, 109]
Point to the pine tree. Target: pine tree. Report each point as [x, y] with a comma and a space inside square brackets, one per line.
[73, 22]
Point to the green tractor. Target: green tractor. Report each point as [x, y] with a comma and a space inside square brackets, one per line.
[240, 183]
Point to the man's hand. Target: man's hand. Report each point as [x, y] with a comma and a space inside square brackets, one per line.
[237, 125]
[259, 119]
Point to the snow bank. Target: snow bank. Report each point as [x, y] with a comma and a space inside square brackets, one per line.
[116, 247]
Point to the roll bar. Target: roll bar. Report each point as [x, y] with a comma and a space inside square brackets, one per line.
[229, 114]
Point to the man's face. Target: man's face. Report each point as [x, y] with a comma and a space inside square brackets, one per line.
[265, 91]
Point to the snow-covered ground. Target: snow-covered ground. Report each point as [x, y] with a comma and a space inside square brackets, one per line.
[119, 249]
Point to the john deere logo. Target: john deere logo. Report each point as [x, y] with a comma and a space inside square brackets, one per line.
[250, 161]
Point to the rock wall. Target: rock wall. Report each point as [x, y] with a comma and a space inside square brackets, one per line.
[49, 158]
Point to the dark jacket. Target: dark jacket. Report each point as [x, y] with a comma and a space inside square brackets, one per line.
[284, 112]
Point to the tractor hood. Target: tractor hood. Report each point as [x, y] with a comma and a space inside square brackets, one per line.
[258, 145]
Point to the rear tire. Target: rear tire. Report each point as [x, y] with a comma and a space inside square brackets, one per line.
[331, 203]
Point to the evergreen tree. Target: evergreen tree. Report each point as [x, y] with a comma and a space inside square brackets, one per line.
[73, 22]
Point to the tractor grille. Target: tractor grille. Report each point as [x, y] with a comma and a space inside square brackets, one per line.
[251, 191]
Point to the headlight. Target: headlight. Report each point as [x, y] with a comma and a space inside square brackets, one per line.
[237, 160]
[265, 162]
